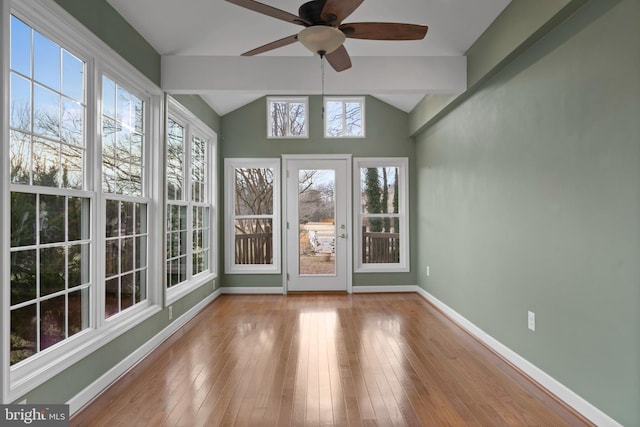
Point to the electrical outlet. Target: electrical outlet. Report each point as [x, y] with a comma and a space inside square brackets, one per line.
[531, 320]
[170, 312]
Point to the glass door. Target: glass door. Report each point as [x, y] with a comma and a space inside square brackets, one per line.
[317, 235]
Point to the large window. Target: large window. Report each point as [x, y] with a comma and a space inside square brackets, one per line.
[78, 144]
[287, 117]
[344, 117]
[125, 207]
[382, 220]
[190, 166]
[50, 207]
[252, 195]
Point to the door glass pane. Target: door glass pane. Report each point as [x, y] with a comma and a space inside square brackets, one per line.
[316, 217]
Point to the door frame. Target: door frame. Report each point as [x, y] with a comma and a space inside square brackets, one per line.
[286, 158]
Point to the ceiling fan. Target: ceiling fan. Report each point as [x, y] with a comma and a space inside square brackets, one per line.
[324, 32]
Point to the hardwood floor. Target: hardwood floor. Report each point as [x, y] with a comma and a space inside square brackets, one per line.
[323, 360]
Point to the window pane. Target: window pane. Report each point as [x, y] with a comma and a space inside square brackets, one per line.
[334, 117]
[20, 103]
[254, 191]
[52, 219]
[126, 218]
[20, 157]
[24, 330]
[72, 76]
[23, 219]
[141, 285]
[108, 97]
[383, 245]
[72, 122]
[46, 61]
[46, 114]
[23, 276]
[112, 218]
[112, 251]
[46, 163]
[79, 258]
[175, 160]
[126, 255]
[78, 222]
[122, 163]
[141, 218]
[127, 291]
[52, 270]
[253, 241]
[112, 292]
[353, 118]
[20, 47]
[296, 119]
[78, 311]
[52, 320]
[278, 118]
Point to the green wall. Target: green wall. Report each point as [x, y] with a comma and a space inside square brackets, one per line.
[244, 135]
[528, 200]
[98, 16]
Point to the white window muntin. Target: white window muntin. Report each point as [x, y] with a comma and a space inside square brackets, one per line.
[193, 128]
[402, 164]
[231, 267]
[288, 101]
[344, 124]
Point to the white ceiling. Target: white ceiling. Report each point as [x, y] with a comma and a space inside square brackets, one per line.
[220, 32]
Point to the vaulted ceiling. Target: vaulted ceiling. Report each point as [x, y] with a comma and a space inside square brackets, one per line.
[201, 41]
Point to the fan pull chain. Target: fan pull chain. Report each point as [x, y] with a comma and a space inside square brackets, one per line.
[322, 71]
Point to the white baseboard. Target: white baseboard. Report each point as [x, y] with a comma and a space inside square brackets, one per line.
[552, 385]
[95, 388]
[251, 290]
[381, 289]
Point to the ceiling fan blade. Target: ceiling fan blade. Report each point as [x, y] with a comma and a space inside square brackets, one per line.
[273, 45]
[335, 11]
[270, 11]
[339, 59]
[384, 31]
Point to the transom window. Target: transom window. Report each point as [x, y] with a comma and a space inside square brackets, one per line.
[344, 117]
[287, 117]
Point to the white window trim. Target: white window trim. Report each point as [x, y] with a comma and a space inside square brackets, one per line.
[52, 20]
[231, 267]
[193, 126]
[344, 99]
[288, 100]
[402, 163]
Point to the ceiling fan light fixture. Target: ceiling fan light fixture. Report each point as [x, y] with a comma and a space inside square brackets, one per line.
[321, 39]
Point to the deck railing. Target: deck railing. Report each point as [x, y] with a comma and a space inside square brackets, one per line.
[256, 248]
[380, 248]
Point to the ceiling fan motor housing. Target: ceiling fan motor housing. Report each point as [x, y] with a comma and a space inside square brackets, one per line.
[311, 11]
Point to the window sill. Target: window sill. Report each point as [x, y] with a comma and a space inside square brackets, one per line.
[49, 363]
[179, 291]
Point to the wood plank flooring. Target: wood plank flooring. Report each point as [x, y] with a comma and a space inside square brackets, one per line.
[323, 360]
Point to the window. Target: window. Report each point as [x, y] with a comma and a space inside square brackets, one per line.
[82, 244]
[344, 117]
[189, 151]
[252, 194]
[287, 117]
[382, 220]
[125, 207]
[50, 248]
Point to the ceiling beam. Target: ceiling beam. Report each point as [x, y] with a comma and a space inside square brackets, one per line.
[302, 74]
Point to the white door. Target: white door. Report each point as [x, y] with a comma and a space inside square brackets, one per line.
[317, 223]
